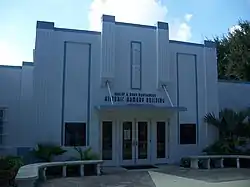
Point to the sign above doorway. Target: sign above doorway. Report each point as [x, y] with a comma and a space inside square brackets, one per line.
[131, 97]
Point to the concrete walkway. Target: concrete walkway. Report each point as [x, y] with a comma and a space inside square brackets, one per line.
[164, 176]
[164, 180]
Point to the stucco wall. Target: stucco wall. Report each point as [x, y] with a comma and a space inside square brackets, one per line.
[26, 107]
[65, 83]
[193, 91]
[234, 94]
[68, 61]
[52, 90]
[10, 79]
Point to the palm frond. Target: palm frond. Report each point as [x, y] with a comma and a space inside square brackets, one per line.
[211, 119]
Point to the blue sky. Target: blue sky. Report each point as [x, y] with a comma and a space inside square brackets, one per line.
[189, 20]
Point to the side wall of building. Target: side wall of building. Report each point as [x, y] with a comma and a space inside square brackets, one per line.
[234, 95]
[16, 85]
[10, 86]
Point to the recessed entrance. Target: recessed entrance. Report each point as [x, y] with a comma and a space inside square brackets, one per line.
[135, 142]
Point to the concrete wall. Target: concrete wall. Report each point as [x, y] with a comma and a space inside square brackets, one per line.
[63, 59]
[26, 106]
[70, 69]
[10, 83]
[10, 78]
[16, 95]
[234, 95]
[189, 69]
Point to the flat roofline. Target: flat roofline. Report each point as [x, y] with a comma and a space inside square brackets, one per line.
[51, 26]
[10, 67]
[136, 25]
[28, 63]
[76, 31]
[160, 25]
[186, 43]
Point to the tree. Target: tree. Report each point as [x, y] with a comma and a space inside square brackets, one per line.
[233, 53]
[230, 123]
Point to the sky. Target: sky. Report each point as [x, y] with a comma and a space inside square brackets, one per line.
[189, 20]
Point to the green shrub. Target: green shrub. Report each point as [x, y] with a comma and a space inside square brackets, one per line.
[10, 162]
[225, 147]
[86, 154]
[9, 166]
[46, 152]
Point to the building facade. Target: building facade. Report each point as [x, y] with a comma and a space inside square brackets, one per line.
[128, 92]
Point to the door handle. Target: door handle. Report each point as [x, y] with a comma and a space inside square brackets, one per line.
[134, 143]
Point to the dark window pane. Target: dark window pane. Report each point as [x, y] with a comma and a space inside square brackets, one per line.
[1, 114]
[142, 140]
[75, 134]
[127, 140]
[107, 140]
[1, 132]
[187, 133]
[161, 139]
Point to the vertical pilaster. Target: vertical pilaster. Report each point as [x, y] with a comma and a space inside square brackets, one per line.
[162, 52]
[108, 50]
[211, 87]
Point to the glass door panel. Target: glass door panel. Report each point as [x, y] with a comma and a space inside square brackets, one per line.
[107, 140]
[161, 139]
[127, 139]
[142, 140]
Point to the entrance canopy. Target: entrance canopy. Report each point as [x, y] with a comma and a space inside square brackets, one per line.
[141, 107]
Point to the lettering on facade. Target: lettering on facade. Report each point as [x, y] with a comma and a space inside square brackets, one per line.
[130, 97]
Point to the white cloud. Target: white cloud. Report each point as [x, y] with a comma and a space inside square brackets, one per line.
[132, 11]
[234, 28]
[183, 32]
[9, 54]
[146, 12]
[188, 17]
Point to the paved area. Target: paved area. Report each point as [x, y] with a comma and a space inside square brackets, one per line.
[125, 179]
[212, 175]
[164, 176]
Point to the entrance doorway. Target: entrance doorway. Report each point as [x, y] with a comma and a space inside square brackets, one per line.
[135, 142]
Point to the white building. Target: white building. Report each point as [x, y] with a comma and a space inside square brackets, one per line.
[161, 90]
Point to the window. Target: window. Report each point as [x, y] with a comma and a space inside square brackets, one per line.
[75, 134]
[136, 65]
[2, 114]
[107, 140]
[1, 132]
[2, 118]
[161, 139]
[188, 133]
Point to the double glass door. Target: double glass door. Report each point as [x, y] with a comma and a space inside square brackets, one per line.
[135, 148]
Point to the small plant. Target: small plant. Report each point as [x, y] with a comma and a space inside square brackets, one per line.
[9, 166]
[46, 152]
[86, 154]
